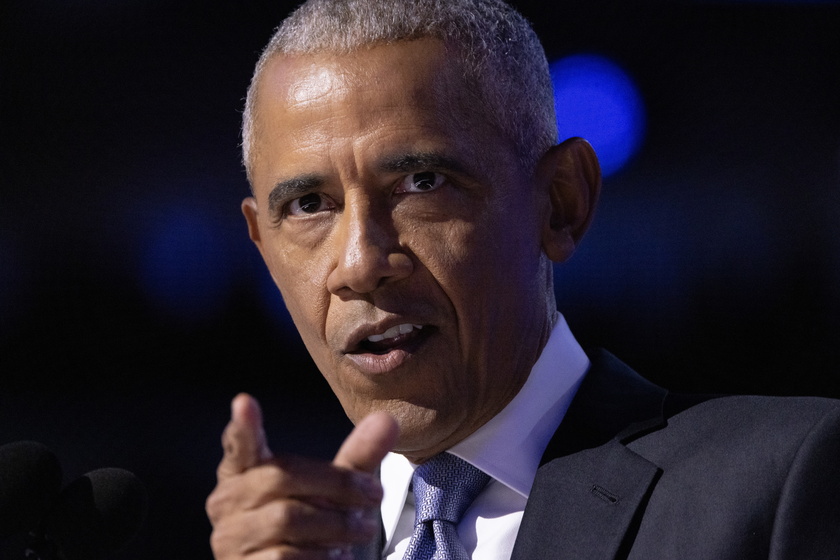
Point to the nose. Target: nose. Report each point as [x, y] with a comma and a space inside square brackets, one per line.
[368, 251]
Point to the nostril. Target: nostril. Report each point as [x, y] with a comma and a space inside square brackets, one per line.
[365, 271]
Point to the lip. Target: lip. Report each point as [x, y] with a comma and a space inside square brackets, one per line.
[353, 342]
[375, 363]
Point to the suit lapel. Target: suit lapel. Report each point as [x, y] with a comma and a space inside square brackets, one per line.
[591, 489]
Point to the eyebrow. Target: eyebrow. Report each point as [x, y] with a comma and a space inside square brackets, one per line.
[290, 189]
[421, 161]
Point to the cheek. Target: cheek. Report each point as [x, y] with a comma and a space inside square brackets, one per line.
[485, 272]
[472, 261]
[447, 249]
[301, 283]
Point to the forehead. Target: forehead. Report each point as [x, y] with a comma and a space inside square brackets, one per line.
[410, 67]
[319, 113]
[407, 81]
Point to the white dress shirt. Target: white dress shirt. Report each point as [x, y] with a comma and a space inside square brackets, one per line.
[508, 448]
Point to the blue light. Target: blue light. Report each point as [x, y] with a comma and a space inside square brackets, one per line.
[597, 100]
[184, 266]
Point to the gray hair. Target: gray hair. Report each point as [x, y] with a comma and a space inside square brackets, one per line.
[504, 63]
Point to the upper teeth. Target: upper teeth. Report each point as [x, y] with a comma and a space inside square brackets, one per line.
[394, 332]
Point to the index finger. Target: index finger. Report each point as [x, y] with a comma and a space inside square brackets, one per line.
[243, 440]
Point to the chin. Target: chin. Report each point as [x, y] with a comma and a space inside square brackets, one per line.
[423, 432]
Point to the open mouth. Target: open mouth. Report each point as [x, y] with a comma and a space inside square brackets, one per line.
[406, 336]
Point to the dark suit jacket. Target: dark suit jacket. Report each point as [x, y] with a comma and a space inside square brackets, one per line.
[636, 473]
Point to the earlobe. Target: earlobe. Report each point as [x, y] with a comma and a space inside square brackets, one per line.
[249, 210]
[572, 175]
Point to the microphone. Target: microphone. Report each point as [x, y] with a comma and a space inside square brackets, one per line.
[95, 515]
[30, 482]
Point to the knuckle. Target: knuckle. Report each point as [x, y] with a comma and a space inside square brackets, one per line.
[280, 553]
[217, 542]
[266, 482]
[285, 516]
[215, 505]
[221, 544]
[275, 477]
[211, 507]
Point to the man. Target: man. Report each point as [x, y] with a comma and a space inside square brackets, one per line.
[409, 198]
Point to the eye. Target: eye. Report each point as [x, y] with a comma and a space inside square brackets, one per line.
[420, 182]
[311, 203]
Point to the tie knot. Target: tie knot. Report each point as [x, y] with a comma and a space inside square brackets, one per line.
[444, 487]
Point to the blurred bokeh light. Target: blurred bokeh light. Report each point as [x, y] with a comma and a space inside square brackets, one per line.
[597, 100]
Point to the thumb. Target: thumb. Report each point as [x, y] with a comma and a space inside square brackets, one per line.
[368, 443]
[243, 440]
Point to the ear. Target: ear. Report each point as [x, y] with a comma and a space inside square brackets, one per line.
[571, 173]
[251, 213]
[249, 210]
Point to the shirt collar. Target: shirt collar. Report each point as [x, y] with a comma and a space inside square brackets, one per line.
[510, 445]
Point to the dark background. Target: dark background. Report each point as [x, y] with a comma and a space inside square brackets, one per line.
[133, 307]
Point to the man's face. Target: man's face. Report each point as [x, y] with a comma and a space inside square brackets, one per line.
[403, 235]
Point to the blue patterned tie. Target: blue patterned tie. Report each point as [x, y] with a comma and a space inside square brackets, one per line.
[444, 487]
